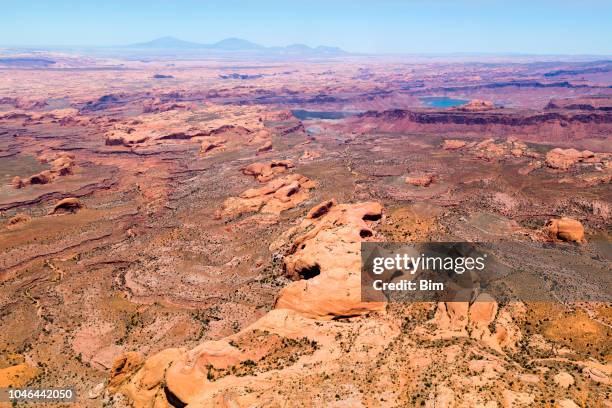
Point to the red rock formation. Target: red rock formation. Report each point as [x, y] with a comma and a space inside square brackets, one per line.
[17, 182]
[156, 105]
[481, 320]
[124, 366]
[62, 165]
[593, 180]
[324, 260]
[274, 197]
[265, 148]
[566, 229]
[261, 136]
[477, 105]
[61, 116]
[44, 177]
[488, 149]
[212, 143]
[172, 125]
[563, 159]
[278, 116]
[70, 204]
[310, 155]
[585, 103]
[534, 165]
[321, 209]
[264, 172]
[550, 126]
[491, 149]
[420, 181]
[453, 144]
[115, 138]
[330, 238]
[17, 220]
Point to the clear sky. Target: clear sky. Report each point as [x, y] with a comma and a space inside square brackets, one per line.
[381, 26]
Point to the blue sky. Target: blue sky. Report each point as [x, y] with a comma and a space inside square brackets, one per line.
[383, 26]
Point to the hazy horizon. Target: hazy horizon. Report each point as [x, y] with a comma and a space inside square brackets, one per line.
[385, 27]
[132, 46]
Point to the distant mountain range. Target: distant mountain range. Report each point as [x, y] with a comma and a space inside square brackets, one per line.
[233, 45]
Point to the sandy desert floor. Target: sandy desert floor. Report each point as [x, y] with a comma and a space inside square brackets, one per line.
[193, 240]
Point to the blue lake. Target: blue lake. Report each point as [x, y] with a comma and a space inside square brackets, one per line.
[442, 101]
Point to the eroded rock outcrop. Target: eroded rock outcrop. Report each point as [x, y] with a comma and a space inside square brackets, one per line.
[453, 144]
[157, 105]
[278, 116]
[422, 180]
[264, 172]
[61, 116]
[563, 159]
[266, 147]
[589, 168]
[213, 143]
[18, 182]
[66, 205]
[325, 262]
[17, 220]
[17, 375]
[272, 352]
[310, 155]
[491, 149]
[481, 319]
[328, 237]
[274, 197]
[120, 138]
[566, 229]
[124, 366]
[176, 124]
[531, 125]
[532, 166]
[477, 105]
[62, 164]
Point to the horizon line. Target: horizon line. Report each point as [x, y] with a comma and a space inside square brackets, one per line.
[373, 53]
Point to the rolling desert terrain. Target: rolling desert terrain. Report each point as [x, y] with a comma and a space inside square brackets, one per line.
[185, 232]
